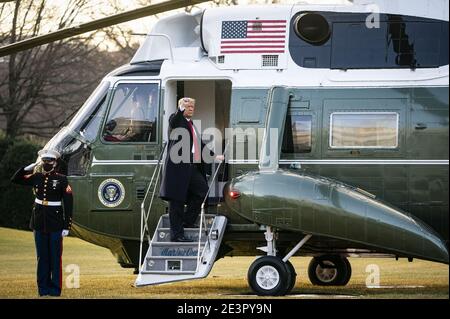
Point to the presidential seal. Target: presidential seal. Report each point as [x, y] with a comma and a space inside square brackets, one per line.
[111, 192]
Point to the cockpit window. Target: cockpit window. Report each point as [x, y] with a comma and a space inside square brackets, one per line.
[75, 156]
[91, 126]
[133, 114]
[71, 142]
[89, 112]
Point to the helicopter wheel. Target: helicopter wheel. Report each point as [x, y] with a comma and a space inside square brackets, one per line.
[293, 276]
[330, 270]
[269, 276]
[346, 279]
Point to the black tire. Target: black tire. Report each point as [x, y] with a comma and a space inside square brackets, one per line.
[330, 270]
[293, 276]
[346, 279]
[278, 278]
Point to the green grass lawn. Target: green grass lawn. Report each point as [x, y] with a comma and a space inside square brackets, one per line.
[102, 277]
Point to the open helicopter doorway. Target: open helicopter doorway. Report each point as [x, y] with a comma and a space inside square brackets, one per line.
[212, 113]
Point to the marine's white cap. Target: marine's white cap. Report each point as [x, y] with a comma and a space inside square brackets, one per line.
[49, 154]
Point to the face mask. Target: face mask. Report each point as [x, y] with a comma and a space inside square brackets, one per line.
[47, 167]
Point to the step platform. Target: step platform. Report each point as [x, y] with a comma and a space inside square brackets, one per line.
[167, 261]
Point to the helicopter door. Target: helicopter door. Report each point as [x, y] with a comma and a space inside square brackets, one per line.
[128, 148]
[212, 116]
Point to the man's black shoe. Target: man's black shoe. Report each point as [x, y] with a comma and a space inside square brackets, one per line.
[182, 240]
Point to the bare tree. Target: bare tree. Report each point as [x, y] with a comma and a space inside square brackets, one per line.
[39, 87]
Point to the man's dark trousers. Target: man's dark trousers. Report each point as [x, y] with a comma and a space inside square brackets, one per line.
[49, 264]
[197, 190]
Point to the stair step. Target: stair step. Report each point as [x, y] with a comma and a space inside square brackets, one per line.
[170, 249]
[181, 257]
[163, 234]
[145, 272]
[208, 217]
[167, 261]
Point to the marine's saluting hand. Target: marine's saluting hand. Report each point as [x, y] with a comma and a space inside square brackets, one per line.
[30, 167]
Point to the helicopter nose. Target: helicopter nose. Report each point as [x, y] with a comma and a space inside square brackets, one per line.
[238, 193]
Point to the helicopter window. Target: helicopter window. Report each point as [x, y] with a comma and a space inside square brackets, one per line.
[133, 114]
[345, 41]
[313, 28]
[364, 130]
[90, 128]
[89, 108]
[297, 134]
[74, 159]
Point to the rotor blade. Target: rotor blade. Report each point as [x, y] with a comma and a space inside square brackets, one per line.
[97, 24]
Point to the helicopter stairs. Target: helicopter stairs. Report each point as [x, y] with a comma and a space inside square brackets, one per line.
[168, 261]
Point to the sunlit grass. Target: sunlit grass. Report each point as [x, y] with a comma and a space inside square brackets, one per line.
[102, 277]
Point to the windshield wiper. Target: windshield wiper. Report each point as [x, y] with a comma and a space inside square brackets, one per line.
[79, 137]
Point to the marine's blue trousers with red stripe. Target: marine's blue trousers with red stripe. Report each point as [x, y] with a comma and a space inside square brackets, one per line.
[49, 262]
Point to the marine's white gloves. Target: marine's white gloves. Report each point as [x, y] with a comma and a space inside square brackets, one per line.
[30, 167]
[65, 233]
[182, 108]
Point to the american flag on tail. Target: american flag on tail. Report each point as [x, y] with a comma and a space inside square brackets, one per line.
[253, 36]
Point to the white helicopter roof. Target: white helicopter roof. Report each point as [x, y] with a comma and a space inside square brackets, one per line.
[180, 40]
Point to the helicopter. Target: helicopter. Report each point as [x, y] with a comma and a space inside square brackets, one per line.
[335, 133]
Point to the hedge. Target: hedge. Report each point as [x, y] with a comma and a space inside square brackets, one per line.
[15, 200]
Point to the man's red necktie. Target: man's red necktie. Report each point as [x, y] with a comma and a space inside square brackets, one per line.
[195, 140]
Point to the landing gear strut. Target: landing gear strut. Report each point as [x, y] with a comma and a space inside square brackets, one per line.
[329, 270]
[272, 275]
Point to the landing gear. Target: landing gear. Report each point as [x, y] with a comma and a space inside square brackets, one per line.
[349, 273]
[329, 270]
[291, 271]
[271, 275]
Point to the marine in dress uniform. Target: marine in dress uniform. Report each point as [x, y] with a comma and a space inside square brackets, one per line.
[49, 221]
[184, 182]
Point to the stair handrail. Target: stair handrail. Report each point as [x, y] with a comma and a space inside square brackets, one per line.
[144, 215]
[153, 194]
[202, 214]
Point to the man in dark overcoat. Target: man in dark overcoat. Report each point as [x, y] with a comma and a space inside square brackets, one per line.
[184, 174]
